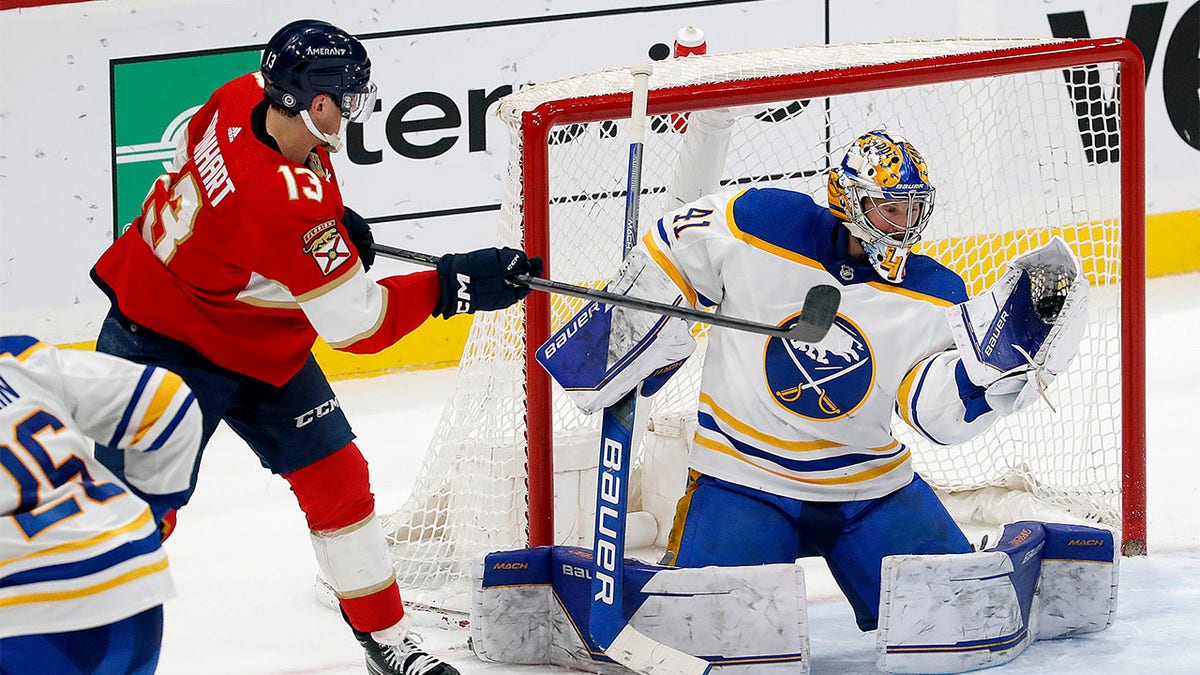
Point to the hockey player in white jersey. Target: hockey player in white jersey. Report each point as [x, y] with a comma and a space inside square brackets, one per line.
[82, 571]
[794, 455]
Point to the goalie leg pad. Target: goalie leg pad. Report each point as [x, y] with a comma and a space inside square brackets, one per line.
[513, 609]
[1078, 589]
[529, 605]
[958, 612]
[953, 613]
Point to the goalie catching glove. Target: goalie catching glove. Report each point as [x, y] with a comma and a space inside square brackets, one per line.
[1025, 330]
[483, 280]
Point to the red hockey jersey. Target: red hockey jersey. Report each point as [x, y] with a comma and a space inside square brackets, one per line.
[240, 253]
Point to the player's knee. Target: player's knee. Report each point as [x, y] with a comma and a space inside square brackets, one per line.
[334, 491]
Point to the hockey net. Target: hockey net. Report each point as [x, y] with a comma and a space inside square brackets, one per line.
[1025, 139]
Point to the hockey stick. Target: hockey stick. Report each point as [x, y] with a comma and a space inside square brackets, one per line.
[805, 329]
[607, 625]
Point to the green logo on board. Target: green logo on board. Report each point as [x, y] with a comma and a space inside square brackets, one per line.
[153, 100]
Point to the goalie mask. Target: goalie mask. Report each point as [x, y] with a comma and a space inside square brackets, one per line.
[881, 191]
[307, 58]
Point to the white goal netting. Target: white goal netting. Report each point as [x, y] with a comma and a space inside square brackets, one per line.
[1017, 154]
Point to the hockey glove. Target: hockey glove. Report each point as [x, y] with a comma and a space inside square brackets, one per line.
[481, 280]
[360, 236]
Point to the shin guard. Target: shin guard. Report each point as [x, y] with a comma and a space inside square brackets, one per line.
[348, 539]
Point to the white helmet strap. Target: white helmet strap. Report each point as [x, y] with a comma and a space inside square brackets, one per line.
[334, 140]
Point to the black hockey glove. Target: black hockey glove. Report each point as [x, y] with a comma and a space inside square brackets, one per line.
[360, 236]
[478, 280]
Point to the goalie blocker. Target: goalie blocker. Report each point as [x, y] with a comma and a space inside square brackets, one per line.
[605, 351]
[532, 606]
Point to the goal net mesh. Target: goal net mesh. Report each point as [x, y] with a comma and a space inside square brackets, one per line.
[1016, 159]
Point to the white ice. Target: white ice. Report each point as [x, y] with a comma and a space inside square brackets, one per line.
[244, 570]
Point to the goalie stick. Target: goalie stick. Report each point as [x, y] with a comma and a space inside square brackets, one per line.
[607, 624]
[823, 301]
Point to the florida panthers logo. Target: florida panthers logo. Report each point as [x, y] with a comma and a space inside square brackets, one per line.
[325, 244]
[824, 381]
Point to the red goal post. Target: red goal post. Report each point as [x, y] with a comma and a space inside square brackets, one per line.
[1045, 133]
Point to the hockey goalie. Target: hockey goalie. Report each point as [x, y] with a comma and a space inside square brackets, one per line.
[794, 454]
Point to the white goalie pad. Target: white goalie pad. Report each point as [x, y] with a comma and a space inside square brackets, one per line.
[532, 607]
[1025, 330]
[603, 352]
[957, 613]
[948, 613]
[1077, 592]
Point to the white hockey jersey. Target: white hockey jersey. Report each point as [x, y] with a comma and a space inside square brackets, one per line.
[77, 548]
[812, 421]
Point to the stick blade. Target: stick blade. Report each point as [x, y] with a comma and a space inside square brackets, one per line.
[816, 318]
[644, 655]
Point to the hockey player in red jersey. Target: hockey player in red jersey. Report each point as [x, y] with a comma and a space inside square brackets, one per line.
[242, 256]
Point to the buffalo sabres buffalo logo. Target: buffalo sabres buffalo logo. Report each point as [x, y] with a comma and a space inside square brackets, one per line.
[821, 381]
[327, 247]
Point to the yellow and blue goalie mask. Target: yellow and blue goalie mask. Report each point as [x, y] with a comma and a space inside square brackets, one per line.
[881, 191]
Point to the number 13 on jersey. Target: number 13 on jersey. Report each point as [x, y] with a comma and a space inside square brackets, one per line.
[169, 214]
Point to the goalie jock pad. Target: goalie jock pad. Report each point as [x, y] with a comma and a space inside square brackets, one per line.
[955, 613]
[605, 351]
[532, 606]
[1025, 330]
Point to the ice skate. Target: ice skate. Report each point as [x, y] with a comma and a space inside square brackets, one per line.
[406, 658]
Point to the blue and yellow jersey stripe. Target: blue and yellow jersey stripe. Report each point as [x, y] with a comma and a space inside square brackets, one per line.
[810, 462]
[145, 519]
[19, 347]
[792, 226]
[156, 395]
